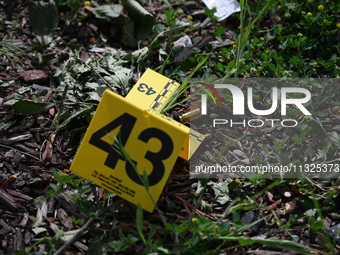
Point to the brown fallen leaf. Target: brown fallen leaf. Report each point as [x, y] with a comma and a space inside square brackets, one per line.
[274, 205]
[52, 111]
[295, 190]
[269, 195]
[290, 206]
[5, 184]
[34, 76]
[47, 151]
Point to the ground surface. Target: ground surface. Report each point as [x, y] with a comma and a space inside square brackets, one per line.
[39, 196]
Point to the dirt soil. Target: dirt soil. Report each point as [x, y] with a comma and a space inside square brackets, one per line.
[30, 150]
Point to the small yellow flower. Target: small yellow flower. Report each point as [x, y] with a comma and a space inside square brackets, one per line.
[285, 72]
[321, 7]
[214, 8]
[262, 38]
[87, 3]
[189, 17]
[306, 117]
[309, 14]
[194, 219]
[232, 42]
[315, 64]
[234, 46]
[237, 180]
[216, 227]
[338, 25]
[299, 35]
[63, 174]
[240, 60]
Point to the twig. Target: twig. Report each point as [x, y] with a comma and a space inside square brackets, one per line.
[191, 207]
[9, 147]
[84, 227]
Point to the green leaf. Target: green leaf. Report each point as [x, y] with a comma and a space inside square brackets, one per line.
[69, 17]
[324, 147]
[246, 241]
[221, 191]
[143, 20]
[200, 188]
[44, 18]
[276, 243]
[272, 68]
[310, 212]
[7, 125]
[92, 85]
[76, 136]
[139, 222]
[163, 250]
[180, 229]
[317, 128]
[283, 158]
[286, 245]
[83, 112]
[334, 136]
[128, 35]
[152, 232]
[107, 12]
[55, 189]
[139, 55]
[294, 61]
[209, 93]
[170, 227]
[30, 107]
[121, 79]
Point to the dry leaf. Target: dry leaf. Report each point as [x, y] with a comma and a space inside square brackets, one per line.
[274, 205]
[52, 111]
[269, 195]
[290, 206]
[47, 151]
[295, 190]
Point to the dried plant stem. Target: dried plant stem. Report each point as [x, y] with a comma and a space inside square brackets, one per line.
[85, 226]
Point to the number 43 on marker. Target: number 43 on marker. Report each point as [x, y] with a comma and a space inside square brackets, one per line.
[146, 89]
[124, 140]
[126, 123]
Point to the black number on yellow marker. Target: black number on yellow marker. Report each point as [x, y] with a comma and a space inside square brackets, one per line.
[146, 89]
[126, 123]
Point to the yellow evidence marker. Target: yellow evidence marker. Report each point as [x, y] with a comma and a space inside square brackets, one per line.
[129, 139]
[158, 89]
[151, 143]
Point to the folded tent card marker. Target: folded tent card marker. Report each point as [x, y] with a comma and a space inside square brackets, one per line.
[164, 89]
[128, 139]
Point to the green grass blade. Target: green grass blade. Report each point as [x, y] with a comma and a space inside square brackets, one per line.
[139, 222]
